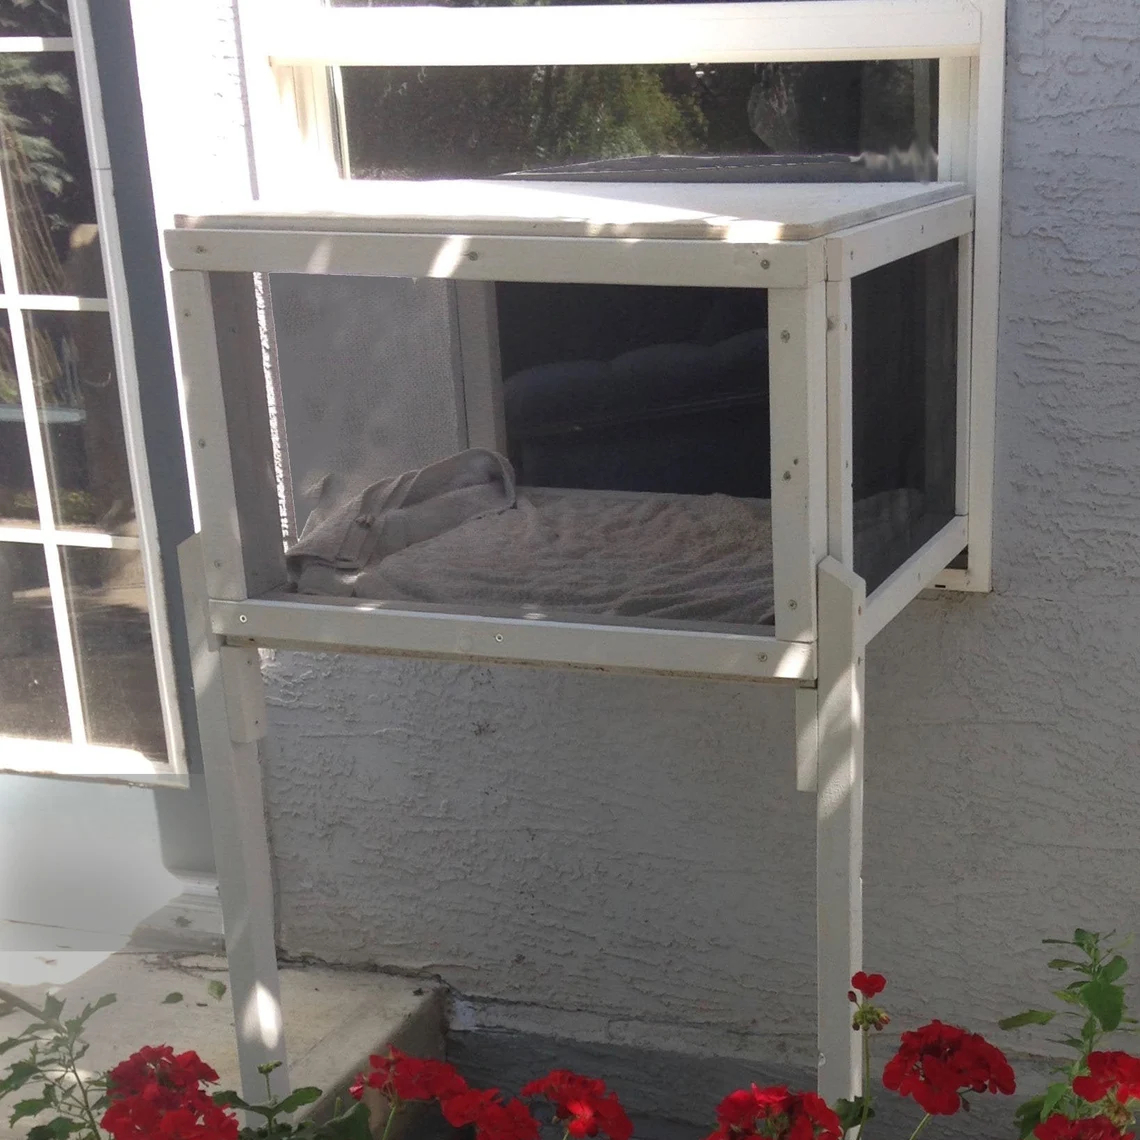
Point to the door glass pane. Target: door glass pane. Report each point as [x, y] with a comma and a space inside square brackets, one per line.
[34, 18]
[32, 700]
[813, 122]
[107, 602]
[904, 406]
[74, 369]
[47, 180]
[17, 495]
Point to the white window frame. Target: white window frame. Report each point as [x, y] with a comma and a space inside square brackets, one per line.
[290, 45]
[79, 758]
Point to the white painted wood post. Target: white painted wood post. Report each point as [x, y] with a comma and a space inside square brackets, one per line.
[839, 825]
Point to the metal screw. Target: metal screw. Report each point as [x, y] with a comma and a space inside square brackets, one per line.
[242, 618]
[472, 256]
[785, 336]
[765, 264]
[217, 564]
[199, 249]
[763, 656]
[793, 604]
[498, 637]
[787, 476]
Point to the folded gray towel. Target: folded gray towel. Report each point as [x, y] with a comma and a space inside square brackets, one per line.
[353, 525]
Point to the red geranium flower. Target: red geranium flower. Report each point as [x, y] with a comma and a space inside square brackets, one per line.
[463, 1108]
[774, 1113]
[510, 1121]
[938, 1062]
[869, 985]
[1110, 1072]
[584, 1103]
[156, 1093]
[1059, 1127]
[400, 1077]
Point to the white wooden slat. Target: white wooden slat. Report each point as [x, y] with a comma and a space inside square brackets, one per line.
[209, 440]
[24, 44]
[797, 328]
[618, 261]
[807, 739]
[666, 33]
[962, 407]
[919, 571]
[480, 372]
[102, 764]
[986, 183]
[364, 626]
[241, 843]
[840, 508]
[839, 826]
[867, 247]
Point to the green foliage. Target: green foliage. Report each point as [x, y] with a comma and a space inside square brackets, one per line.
[1095, 999]
[53, 1048]
[216, 990]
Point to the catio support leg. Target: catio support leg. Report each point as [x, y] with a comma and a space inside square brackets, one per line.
[230, 701]
[839, 824]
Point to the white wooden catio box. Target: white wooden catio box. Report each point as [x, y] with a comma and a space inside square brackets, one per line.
[746, 425]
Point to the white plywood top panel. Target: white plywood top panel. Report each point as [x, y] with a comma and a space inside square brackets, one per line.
[765, 213]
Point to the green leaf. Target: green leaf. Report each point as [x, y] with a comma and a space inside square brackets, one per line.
[12, 1042]
[1086, 940]
[172, 998]
[1057, 942]
[1063, 964]
[1029, 1017]
[1069, 996]
[102, 1003]
[216, 990]
[1105, 1002]
[1054, 1094]
[1115, 969]
[850, 1112]
[55, 1129]
[23, 1108]
[268, 1067]
[53, 1007]
[352, 1125]
[298, 1098]
[1029, 1116]
[228, 1098]
[18, 1075]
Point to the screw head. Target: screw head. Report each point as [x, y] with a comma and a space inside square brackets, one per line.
[201, 443]
[787, 476]
[785, 336]
[763, 656]
[472, 255]
[793, 604]
[217, 563]
[242, 618]
[498, 637]
[765, 264]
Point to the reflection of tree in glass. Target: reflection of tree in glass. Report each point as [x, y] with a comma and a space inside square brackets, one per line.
[478, 122]
[430, 122]
[34, 18]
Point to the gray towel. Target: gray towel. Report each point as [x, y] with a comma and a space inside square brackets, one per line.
[353, 525]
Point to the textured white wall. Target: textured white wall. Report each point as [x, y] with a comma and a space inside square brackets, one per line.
[632, 853]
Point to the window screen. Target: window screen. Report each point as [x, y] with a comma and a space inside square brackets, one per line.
[904, 406]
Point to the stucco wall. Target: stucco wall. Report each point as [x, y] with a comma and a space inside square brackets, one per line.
[630, 855]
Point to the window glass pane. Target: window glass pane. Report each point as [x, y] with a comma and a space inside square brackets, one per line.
[107, 602]
[723, 122]
[43, 159]
[74, 369]
[34, 18]
[32, 701]
[904, 406]
[17, 495]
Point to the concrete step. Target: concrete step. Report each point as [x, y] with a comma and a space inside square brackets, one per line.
[334, 1018]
